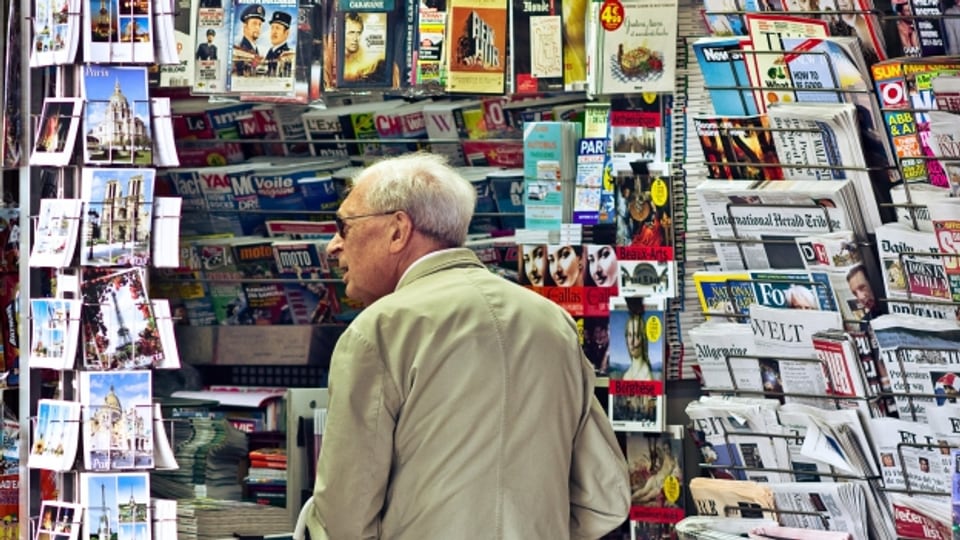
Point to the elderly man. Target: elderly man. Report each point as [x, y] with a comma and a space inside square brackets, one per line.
[460, 403]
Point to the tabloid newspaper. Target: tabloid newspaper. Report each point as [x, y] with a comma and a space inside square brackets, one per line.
[915, 284]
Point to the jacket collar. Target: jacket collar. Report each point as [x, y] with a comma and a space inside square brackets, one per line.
[439, 261]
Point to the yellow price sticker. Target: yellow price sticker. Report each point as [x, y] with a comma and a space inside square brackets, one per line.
[611, 15]
[659, 193]
[653, 328]
[671, 489]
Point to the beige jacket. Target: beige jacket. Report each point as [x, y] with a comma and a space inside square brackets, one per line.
[461, 407]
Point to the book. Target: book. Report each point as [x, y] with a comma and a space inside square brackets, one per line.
[118, 216]
[118, 34]
[55, 333]
[636, 365]
[117, 420]
[655, 462]
[59, 520]
[119, 328]
[366, 45]
[56, 435]
[57, 136]
[537, 47]
[632, 47]
[262, 65]
[116, 505]
[55, 240]
[477, 64]
[116, 120]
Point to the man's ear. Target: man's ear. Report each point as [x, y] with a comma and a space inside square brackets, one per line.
[401, 231]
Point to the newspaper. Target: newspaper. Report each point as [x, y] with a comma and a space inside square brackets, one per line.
[910, 456]
[840, 506]
[719, 528]
[782, 334]
[734, 438]
[792, 533]
[722, 350]
[926, 517]
[732, 498]
[765, 219]
[922, 359]
[910, 276]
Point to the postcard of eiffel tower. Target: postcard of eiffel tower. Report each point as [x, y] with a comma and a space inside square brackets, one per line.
[119, 326]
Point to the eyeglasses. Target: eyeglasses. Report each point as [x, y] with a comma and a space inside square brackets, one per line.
[342, 225]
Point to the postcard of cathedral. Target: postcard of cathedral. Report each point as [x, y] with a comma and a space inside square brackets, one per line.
[118, 31]
[116, 120]
[118, 216]
[116, 506]
[56, 435]
[119, 325]
[117, 420]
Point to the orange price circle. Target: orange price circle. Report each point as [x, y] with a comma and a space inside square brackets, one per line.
[611, 15]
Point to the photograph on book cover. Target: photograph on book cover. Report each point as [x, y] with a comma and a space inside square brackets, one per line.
[55, 435]
[56, 30]
[117, 420]
[120, 329]
[55, 239]
[264, 48]
[59, 521]
[116, 120]
[477, 39]
[118, 31]
[57, 136]
[55, 333]
[117, 506]
[118, 216]
[365, 49]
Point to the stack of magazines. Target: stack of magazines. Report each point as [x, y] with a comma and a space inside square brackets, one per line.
[207, 450]
[210, 519]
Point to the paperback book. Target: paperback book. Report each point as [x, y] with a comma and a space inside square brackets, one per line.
[636, 365]
[655, 463]
[117, 420]
[478, 62]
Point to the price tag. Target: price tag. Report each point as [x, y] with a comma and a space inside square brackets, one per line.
[659, 193]
[611, 15]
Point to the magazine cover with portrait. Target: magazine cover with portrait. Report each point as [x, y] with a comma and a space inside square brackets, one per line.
[636, 362]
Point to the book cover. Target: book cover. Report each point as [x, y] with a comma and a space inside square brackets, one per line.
[476, 57]
[264, 46]
[655, 463]
[59, 521]
[57, 135]
[118, 32]
[366, 50]
[119, 328]
[116, 505]
[56, 435]
[537, 47]
[116, 120]
[55, 333]
[212, 55]
[636, 365]
[574, 20]
[117, 420]
[117, 221]
[55, 239]
[636, 47]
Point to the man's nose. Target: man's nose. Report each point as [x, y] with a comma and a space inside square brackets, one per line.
[335, 245]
